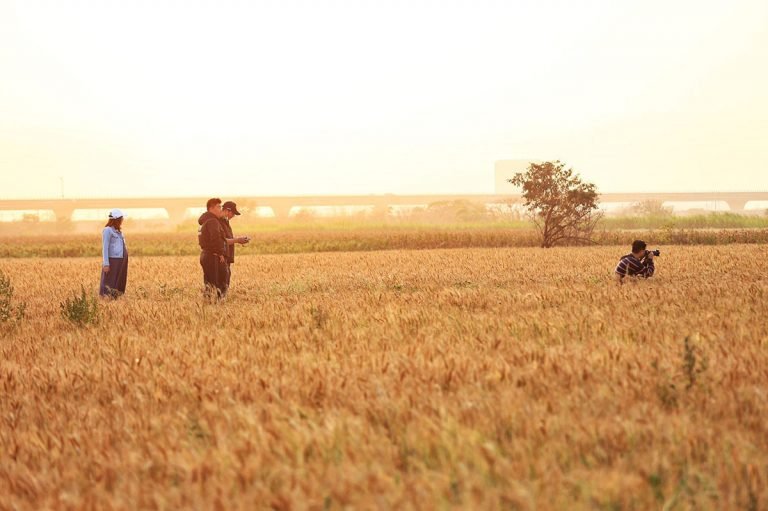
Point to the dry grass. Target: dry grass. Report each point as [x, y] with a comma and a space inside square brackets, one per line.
[473, 378]
[330, 238]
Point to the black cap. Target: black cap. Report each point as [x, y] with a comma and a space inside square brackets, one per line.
[230, 206]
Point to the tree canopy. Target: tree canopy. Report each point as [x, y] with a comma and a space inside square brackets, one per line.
[562, 206]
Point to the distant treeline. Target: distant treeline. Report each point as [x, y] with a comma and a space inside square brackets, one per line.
[450, 217]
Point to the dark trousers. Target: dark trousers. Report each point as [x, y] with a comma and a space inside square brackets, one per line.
[113, 283]
[214, 274]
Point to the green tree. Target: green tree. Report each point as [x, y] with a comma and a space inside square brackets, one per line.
[563, 208]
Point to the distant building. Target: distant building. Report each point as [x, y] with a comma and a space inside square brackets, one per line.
[506, 169]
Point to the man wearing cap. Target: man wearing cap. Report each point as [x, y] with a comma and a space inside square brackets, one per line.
[229, 209]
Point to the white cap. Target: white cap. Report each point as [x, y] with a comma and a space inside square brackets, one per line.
[115, 213]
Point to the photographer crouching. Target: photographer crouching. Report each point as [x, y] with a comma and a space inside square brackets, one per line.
[637, 264]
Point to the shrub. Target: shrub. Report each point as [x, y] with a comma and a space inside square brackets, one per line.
[8, 311]
[455, 211]
[693, 363]
[81, 310]
[652, 208]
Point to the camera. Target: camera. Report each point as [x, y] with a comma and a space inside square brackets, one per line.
[656, 252]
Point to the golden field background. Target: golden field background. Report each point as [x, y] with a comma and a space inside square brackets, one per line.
[507, 378]
[327, 237]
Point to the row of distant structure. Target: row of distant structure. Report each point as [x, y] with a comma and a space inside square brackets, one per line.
[737, 202]
[177, 210]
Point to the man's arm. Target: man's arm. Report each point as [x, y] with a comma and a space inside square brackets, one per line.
[621, 271]
[649, 267]
[105, 235]
[209, 234]
[622, 268]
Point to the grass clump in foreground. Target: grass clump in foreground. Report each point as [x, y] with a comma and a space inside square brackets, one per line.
[9, 312]
[80, 309]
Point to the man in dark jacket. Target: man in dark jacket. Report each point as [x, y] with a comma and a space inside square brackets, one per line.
[230, 211]
[213, 246]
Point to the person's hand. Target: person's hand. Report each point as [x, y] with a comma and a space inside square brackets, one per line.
[106, 269]
[244, 240]
[649, 255]
[222, 260]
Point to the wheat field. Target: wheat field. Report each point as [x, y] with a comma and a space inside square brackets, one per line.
[436, 379]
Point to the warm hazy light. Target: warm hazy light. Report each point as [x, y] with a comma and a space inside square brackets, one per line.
[284, 98]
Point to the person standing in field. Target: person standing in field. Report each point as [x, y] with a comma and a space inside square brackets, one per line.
[213, 246]
[229, 209]
[114, 257]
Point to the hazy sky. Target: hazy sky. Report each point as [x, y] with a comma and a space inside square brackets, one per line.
[323, 97]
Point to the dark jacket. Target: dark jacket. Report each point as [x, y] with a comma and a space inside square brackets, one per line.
[229, 235]
[211, 235]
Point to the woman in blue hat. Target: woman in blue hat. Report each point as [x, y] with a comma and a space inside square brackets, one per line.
[114, 257]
